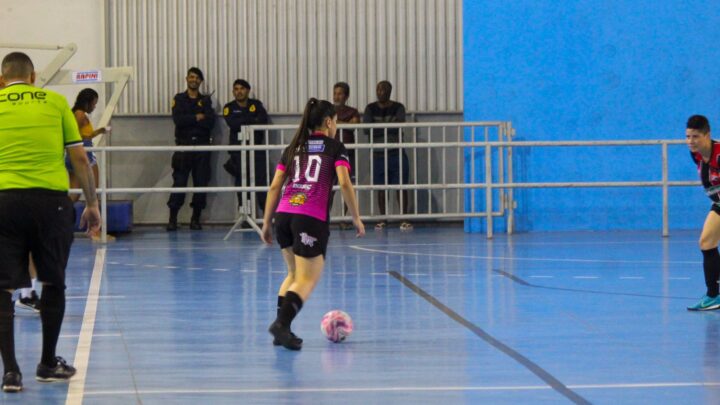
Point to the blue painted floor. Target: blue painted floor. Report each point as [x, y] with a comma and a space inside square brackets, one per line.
[440, 316]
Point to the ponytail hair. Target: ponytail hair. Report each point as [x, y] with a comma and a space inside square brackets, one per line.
[313, 117]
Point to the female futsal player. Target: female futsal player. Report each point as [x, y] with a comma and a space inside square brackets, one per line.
[706, 154]
[308, 168]
[85, 104]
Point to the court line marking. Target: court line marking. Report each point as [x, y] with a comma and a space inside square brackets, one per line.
[549, 379]
[514, 243]
[94, 335]
[537, 259]
[586, 277]
[632, 278]
[82, 353]
[520, 281]
[399, 389]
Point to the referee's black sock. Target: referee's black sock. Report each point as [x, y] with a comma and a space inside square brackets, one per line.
[7, 332]
[52, 311]
[711, 266]
[292, 304]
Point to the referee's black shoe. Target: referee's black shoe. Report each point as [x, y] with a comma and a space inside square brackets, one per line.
[286, 338]
[61, 371]
[12, 382]
[171, 226]
[195, 224]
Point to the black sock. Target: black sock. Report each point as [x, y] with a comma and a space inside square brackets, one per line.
[279, 304]
[711, 265]
[52, 311]
[173, 215]
[292, 304]
[7, 332]
[196, 214]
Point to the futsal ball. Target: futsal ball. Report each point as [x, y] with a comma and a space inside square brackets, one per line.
[336, 325]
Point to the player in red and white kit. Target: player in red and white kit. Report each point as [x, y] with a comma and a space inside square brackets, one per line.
[308, 169]
[706, 154]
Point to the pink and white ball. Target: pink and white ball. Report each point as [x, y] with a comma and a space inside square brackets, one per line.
[336, 325]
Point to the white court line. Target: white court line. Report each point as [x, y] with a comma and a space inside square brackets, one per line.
[535, 259]
[194, 268]
[378, 274]
[149, 265]
[130, 264]
[220, 269]
[632, 278]
[541, 276]
[586, 277]
[594, 243]
[171, 267]
[399, 389]
[82, 353]
[95, 335]
[678, 278]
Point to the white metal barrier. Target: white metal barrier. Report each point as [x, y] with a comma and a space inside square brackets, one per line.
[439, 155]
[437, 179]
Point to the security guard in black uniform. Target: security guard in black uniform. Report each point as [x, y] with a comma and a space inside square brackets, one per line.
[246, 111]
[194, 119]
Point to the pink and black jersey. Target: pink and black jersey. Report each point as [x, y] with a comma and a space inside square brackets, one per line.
[308, 190]
[710, 172]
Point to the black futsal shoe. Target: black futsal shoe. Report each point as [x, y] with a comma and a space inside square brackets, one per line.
[171, 226]
[286, 338]
[12, 381]
[61, 371]
[195, 224]
[277, 342]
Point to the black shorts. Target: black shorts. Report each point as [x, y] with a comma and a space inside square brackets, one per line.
[308, 236]
[37, 221]
[716, 208]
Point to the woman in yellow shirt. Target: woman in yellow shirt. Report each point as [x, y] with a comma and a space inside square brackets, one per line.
[84, 106]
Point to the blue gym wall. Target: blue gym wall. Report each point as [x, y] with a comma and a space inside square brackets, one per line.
[589, 70]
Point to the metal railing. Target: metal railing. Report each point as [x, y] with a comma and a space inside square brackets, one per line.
[438, 183]
[448, 163]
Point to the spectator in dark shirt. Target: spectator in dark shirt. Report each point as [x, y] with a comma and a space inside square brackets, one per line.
[246, 111]
[398, 171]
[194, 118]
[346, 115]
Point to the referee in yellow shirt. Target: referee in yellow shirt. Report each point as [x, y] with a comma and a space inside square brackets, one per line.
[36, 215]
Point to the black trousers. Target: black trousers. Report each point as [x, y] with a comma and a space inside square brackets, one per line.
[260, 174]
[185, 164]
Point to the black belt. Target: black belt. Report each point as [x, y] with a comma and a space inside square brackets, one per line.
[193, 141]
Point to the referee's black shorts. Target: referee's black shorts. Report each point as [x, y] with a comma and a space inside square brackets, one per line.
[37, 221]
[308, 236]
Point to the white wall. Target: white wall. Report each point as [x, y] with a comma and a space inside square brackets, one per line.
[53, 22]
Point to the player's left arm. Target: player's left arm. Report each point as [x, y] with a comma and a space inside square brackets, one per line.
[271, 203]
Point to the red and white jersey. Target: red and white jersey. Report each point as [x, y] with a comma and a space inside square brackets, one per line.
[709, 172]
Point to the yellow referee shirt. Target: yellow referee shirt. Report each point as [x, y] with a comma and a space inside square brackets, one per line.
[35, 127]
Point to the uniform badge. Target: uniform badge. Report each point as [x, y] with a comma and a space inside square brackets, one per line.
[226, 111]
[199, 103]
[252, 108]
[298, 199]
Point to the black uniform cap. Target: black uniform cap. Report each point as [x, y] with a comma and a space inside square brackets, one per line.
[242, 82]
